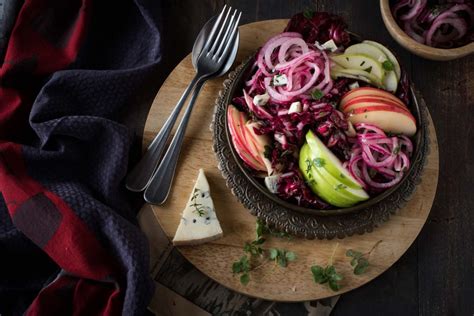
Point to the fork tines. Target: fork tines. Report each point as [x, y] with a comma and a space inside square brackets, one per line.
[222, 33]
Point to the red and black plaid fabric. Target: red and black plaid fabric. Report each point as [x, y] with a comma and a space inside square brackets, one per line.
[68, 240]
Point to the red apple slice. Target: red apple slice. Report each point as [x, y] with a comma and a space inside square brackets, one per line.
[367, 91]
[389, 118]
[241, 145]
[249, 139]
[354, 104]
[372, 97]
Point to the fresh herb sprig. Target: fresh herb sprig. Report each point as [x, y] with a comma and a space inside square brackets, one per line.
[256, 257]
[242, 266]
[388, 65]
[328, 274]
[197, 206]
[317, 94]
[281, 256]
[308, 13]
[360, 260]
[262, 229]
[253, 248]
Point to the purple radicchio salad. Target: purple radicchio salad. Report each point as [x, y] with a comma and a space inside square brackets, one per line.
[323, 121]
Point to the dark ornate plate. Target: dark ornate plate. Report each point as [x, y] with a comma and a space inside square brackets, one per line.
[306, 222]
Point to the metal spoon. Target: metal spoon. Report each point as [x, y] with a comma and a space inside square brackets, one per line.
[140, 176]
[159, 187]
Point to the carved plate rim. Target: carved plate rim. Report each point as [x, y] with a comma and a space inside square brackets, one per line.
[307, 225]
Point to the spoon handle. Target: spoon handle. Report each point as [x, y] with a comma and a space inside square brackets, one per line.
[140, 175]
[160, 184]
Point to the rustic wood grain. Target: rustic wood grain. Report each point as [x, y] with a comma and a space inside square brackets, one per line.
[215, 259]
[436, 275]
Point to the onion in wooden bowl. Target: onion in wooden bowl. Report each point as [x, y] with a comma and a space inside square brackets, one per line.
[415, 47]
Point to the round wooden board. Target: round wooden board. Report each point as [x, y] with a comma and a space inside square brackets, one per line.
[215, 259]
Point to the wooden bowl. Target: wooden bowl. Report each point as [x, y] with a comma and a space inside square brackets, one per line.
[416, 48]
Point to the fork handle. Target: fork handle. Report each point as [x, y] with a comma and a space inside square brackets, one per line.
[138, 179]
[160, 185]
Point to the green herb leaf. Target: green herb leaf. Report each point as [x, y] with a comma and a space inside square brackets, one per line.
[319, 162]
[247, 247]
[336, 277]
[318, 274]
[273, 253]
[359, 260]
[361, 266]
[340, 186]
[354, 254]
[330, 270]
[388, 65]
[236, 267]
[334, 285]
[281, 261]
[290, 256]
[244, 278]
[317, 94]
[259, 241]
[308, 13]
[308, 165]
[327, 275]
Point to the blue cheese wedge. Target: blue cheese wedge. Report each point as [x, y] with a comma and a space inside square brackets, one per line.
[199, 223]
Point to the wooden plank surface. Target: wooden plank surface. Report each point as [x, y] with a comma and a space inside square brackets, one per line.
[435, 277]
[215, 259]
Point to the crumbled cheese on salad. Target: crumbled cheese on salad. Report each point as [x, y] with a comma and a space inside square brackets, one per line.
[261, 99]
[280, 80]
[295, 107]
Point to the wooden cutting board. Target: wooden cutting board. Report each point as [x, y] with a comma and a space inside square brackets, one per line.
[215, 259]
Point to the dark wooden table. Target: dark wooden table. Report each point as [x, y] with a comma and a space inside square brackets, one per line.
[436, 275]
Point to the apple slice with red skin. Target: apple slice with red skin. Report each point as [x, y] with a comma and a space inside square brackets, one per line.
[248, 140]
[389, 118]
[367, 91]
[360, 102]
[241, 145]
[255, 143]
[371, 96]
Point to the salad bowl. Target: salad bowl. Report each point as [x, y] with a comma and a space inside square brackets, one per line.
[236, 84]
[303, 221]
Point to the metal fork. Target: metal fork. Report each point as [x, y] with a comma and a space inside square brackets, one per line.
[214, 55]
[140, 176]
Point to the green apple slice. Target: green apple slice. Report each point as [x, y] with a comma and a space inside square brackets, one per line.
[390, 81]
[360, 62]
[390, 56]
[318, 184]
[357, 195]
[367, 50]
[330, 162]
[356, 74]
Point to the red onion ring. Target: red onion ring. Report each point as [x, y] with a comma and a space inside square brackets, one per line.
[386, 156]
